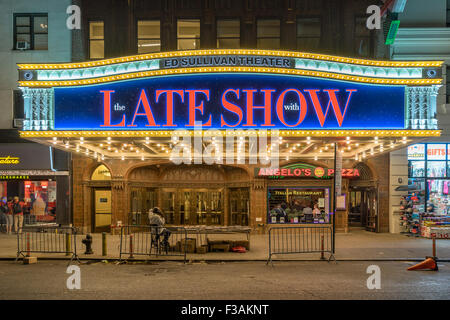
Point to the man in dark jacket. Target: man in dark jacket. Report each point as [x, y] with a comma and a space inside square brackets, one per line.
[17, 209]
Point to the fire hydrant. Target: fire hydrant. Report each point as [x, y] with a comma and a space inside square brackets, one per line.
[88, 243]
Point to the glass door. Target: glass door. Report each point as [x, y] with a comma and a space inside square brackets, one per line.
[371, 207]
[142, 200]
[216, 207]
[239, 206]
[356, 209]
[168, 207]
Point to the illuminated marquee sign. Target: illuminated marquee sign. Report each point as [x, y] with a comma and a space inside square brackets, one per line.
[209, 61]
[303, 170]
[9, 160]
[229, 101]
[14, 177]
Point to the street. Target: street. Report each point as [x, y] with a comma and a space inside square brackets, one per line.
[231, 280]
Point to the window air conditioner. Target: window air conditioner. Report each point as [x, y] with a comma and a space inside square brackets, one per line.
[22, 45]
[18, 123]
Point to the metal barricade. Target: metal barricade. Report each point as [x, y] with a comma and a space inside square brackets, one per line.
[43, 239]
[153, 240]
[301, 239]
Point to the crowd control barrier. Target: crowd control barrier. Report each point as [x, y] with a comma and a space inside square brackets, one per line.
[301, 239]
[147, 240]
[47, 239]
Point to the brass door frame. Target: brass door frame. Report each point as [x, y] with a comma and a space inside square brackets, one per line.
[195, 217]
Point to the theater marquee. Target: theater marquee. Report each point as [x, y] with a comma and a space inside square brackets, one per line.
[300, 94]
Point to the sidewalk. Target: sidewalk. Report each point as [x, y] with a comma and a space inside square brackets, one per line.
[355, 245]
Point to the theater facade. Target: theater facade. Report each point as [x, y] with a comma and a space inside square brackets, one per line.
[231, 137]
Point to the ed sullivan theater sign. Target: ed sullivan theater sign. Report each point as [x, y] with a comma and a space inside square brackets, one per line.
[237, 89]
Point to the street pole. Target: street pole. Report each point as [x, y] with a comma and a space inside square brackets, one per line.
[334, 201]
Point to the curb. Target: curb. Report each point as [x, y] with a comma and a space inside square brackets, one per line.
[228, 260]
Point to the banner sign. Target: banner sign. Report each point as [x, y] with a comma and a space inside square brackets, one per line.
[19, 156]
[229, 101]
[303, 170]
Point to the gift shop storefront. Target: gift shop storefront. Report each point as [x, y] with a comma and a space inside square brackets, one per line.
[231, 137]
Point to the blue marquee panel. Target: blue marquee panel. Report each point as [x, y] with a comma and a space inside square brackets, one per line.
[357, 106]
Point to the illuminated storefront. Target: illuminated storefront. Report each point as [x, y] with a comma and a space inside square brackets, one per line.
[429, 173]
[265, 117]
[27, 171]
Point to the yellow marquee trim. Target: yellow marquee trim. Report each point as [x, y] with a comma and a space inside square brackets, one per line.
[287, 54]
[162, 72]
[282, 133]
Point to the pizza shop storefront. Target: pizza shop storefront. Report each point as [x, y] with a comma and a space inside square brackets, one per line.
[238, 144]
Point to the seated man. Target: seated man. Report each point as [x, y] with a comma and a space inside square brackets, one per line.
[156, 219]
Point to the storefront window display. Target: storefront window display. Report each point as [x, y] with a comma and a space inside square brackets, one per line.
[431, 162]
[298, 205]
[428, 179]
[38, 199]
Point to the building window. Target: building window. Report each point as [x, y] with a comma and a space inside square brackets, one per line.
[228, 34]
[448, 85]
[96, 40]
[362, 38]
[149, 36]
[448, 13]
[268, 34]
[31, 31]
[298, 205]
[188, 34]
[308, 33]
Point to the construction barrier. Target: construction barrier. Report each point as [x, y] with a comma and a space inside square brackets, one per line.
[301, 239]
[43, 239]
[151, 240]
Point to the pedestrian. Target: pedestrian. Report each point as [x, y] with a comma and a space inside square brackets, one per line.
[17, 209]
[6, 215]
[156, 219]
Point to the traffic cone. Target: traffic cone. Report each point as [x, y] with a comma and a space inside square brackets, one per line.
[429, 263]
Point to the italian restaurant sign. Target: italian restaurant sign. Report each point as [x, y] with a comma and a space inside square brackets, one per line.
[227, 101]
[303, 170]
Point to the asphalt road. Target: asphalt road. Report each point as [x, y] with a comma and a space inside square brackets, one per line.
[222, 281]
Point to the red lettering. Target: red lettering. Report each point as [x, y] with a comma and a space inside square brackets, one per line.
[307, 172]
[356, 172]
[330, 172]
[169, 104]
[232, 108]
[193, 107]
[276, 172]
[297, 172]
[283, 172]
[280, 107]
[333, 101]
[107, 110]
[289, 173]
[147, 111]
[267, 108]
